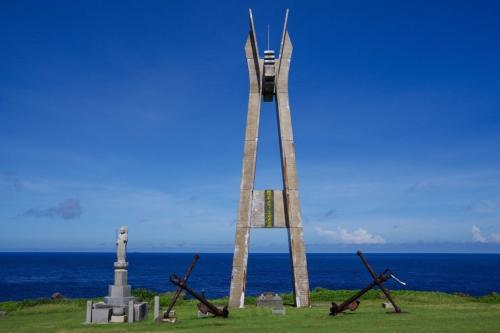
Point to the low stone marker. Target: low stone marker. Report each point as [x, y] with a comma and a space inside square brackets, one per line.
[140, 311]
[56, 296]
[278, 311]
[273, 301]
[269, 300]
[156, 314]
[88, 315]
[388, 305]
[130, 318]
[101, 315]
[204, 315]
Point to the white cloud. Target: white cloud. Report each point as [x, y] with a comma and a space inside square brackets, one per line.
[326, 232]
[495, 238]
[478, 237]
[358, 236]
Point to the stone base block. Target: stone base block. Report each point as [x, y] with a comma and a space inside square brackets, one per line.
[269, 300]
[101, 305]
[121, 277]
[204, 315]
[278, 311]
[118, 296]
[388, 305]
[119, 291]
[101, 315]
[118, 319]
[140, 311]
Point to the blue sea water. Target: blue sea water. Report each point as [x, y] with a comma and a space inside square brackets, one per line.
[34, 275]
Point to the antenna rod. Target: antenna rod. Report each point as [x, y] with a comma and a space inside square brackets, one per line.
[268, 36]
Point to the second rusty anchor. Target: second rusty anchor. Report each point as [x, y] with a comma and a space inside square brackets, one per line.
[352, 303]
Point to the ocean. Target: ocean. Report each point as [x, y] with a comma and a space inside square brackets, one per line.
[85, 275]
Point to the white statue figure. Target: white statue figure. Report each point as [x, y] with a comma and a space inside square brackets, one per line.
[121, 248]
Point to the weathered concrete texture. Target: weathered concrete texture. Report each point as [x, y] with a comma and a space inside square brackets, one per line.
[118, 319]
[101, 315]
[253, 117]
[88, 315]
[299, 267]
[140, 311]
[248, 170]
[257, 219]
[244, 210]
[121, 277]
[119, 297]
[282, 208]
[239, 272]
[156, 313]
[289, 165]
[292, 202]
[130, 315]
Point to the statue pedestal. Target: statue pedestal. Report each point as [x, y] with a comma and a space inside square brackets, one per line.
[120, 293]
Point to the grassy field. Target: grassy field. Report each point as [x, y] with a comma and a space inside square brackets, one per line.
[423, 312]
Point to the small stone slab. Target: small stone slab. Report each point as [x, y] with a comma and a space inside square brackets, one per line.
[203, 315]
[101, 305]
[56, 296]
[118, 319]
[172, 318]
[278, 311]
[140, 311]
[101, 315]
[156, 313]
[88, 314]
[388, 305]
[270, 300]
[130, 312]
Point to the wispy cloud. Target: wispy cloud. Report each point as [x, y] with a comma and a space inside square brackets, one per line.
[483, 207]
[477, 236]
[67, 210]
[10, 181]
[358, 236]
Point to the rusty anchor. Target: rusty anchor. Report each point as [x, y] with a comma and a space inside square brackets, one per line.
[352, 303]
[166, 315]
[205, 306]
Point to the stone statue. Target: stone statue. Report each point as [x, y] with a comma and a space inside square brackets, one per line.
[121, 248]
[119, 306]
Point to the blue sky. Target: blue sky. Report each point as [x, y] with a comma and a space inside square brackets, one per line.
[133, 113]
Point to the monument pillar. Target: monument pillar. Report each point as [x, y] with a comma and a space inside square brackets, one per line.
[269, 208]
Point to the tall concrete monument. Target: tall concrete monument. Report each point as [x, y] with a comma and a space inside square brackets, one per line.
[269, 208]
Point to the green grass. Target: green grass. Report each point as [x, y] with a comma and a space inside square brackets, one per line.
[423, 312]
